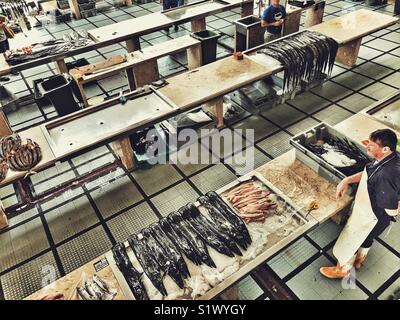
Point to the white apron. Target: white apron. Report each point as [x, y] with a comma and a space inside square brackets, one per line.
[359, 225]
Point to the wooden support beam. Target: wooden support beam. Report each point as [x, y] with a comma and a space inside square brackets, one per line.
[83, 94]
[216, 108]
[231, 294]
[194, 57]
[198, 25]
[146, 73]
[314, 16]
[5, 129]
[123, 149]
[131, 79]
[292, 22]
[3, 217]
[133, 44]
[73, 4]
[348, 53]
[247, 9]
[61, 66]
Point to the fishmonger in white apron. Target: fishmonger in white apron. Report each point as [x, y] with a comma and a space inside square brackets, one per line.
[375, 203]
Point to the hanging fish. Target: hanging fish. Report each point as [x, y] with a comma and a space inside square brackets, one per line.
[304, 56]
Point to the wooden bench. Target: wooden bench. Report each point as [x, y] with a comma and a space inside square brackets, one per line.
[314, 16]
[129, 31]
[349, 29]
[141, 66]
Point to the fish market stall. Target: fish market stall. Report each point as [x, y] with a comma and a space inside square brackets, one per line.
[209, 83]
[195, 12]
[294, 53]
[130, 31]
[386, 111]
[104, 123]
[96, 274]
[293, 184]
[303, 185]
[222, 248]
[347, 30]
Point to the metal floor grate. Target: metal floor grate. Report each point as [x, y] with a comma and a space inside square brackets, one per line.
[27, 279]
[292, 258]
[84, 248]
[132, 221]
[174, 198]
[21, 243]
[116, 196]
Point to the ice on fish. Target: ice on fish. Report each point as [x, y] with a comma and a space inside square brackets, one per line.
[336, 158]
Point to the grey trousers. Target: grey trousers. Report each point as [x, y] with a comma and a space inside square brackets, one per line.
[270, 36]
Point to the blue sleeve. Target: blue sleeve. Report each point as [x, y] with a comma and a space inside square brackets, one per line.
[267, 15]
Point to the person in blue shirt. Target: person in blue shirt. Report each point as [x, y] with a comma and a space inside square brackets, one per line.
[273, 18]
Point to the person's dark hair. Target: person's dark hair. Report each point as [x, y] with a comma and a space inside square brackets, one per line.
[385, 137]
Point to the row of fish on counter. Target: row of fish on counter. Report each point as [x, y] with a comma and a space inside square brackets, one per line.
[17, 155]
[160, 247]
[304, 56]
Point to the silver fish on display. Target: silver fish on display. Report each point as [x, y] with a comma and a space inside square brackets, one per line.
[101, 283]
[84, 294]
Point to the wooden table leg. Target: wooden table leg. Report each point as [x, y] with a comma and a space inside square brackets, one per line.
[61, 66]
[146, 73]
[348, 53]
[247, 9]
[83, 94]
[73, 4]
[198, 25]
[131, 79]
[194, 57]
[133, 44]
[3, 217]
[231, 294]
[5, 129]
[216, 108]
[314, 16]
[123, 149]
[292, 22]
